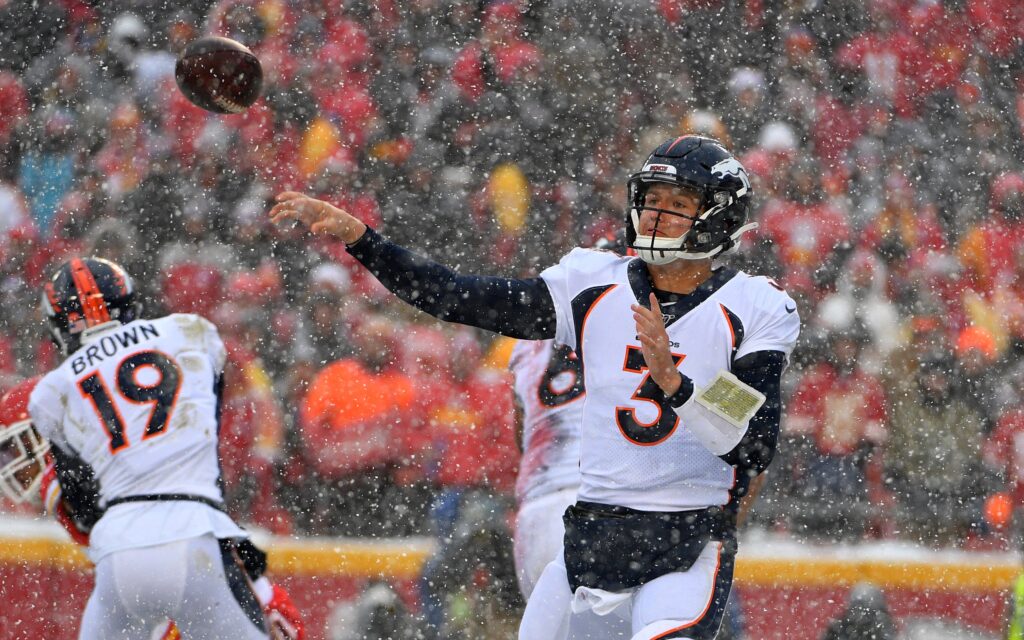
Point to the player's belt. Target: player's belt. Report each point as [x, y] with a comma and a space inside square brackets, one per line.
[168, 497]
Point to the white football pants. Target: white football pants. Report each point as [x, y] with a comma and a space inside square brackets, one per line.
[138, 589]
[538, 535]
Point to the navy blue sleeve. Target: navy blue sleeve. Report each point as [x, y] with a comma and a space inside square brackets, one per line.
[81, 491]
[516, 308]
[253, 558]
[761, 370]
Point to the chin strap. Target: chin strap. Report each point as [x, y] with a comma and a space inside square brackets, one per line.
[719, 250]
[666, 255]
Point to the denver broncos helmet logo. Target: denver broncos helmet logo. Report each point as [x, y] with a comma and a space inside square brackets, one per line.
[732, 167]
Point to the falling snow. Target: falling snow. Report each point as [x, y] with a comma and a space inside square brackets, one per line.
[372, 450]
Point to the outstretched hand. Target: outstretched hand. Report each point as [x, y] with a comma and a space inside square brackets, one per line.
[654, 342]
[317, 216]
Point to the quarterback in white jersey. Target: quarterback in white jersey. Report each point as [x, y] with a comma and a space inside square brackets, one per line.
[631, 452]
[549, 390]
[682, 363]
[132, 419]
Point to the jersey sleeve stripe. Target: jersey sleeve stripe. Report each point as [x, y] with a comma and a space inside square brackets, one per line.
[735, 328]
[582, 305]
[732, 332]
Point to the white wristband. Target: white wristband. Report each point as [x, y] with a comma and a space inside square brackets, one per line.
[264, 590]
[718, 415]
[731, 399]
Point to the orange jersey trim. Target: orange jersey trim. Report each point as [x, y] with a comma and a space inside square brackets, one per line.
[728, 322]
[711, 598]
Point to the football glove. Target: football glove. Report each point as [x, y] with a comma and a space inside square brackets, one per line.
[52, 496]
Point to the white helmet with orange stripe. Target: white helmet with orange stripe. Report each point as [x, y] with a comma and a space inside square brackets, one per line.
[84, 294]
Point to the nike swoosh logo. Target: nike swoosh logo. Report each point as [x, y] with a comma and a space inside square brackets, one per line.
[788, 310]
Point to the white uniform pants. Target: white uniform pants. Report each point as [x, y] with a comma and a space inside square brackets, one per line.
[138, 589]
[538, 535]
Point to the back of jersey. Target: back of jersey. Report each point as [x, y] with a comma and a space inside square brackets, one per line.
[139, 404]
[549, 387]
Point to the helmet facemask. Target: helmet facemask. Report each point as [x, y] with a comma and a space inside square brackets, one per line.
[657, 249]
[22, 460]
[701, 241]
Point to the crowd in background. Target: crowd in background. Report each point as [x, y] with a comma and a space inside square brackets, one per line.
[884, 140]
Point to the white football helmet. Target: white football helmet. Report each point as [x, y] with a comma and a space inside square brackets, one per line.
[22, 450]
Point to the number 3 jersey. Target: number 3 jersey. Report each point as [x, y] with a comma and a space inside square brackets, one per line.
[635, 451]
[138, 403]
[549, 387]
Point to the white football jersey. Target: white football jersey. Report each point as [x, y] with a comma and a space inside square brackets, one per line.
[549, 386]
[634, 452]
[138, 403]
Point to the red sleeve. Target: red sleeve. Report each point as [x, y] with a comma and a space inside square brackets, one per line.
[65, 520]
[283, 616]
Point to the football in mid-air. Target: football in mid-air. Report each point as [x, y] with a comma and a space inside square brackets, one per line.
[219, 75]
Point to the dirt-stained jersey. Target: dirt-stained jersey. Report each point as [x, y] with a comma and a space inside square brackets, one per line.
[634, 450]
[549, 387]
[138, 403]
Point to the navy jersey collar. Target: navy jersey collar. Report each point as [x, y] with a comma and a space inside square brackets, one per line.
[682, 303]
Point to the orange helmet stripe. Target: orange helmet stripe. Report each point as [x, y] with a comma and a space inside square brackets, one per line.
[51, 295]
[677, 141]
[93, 305]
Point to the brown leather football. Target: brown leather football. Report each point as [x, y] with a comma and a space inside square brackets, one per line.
[219, 75]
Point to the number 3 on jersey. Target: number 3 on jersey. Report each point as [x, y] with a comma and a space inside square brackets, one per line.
[651, 433]
[161, 393]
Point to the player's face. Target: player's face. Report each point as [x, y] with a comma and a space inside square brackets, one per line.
[672, 199]
[28, 474]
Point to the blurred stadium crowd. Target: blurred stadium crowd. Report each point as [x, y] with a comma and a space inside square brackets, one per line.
[884, 139]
